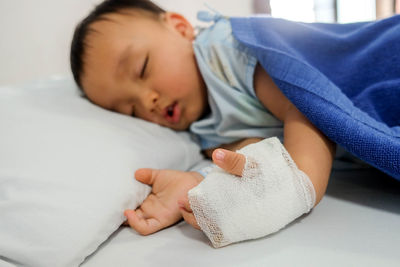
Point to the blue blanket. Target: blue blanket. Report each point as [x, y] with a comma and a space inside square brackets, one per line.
[344, 77]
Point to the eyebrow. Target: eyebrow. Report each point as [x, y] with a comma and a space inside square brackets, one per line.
[123, 59]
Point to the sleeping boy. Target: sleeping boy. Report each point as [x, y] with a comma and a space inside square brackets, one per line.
[134, 58]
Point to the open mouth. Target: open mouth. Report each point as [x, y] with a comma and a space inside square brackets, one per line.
[172, 113]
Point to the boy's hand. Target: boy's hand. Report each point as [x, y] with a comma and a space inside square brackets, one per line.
[229, 161]
[168, 201]
[160, 209]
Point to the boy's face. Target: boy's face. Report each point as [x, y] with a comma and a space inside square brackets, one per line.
[138, 65]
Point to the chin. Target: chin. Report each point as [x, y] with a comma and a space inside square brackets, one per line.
[180, 127]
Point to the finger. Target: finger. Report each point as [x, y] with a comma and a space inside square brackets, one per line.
[184, 204]
[189, 217]
[139, 213]
[141, 225]
[146, 176]
[187, 213]
[229, 161]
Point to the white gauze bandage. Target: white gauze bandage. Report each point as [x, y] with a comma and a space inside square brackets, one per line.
[271, 193]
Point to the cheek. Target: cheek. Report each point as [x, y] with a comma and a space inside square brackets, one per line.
[142, 114]
[180, 80]
[171, 80]
[177, 69]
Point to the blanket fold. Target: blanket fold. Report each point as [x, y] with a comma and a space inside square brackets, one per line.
[344, 77]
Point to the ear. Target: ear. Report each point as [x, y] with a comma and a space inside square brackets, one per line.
[180, 24]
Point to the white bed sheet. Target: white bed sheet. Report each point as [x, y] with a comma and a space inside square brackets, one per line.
[356, 224]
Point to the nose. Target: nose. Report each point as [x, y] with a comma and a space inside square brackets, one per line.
[150, 100]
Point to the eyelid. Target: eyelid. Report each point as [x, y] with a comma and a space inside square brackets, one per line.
[142, 73]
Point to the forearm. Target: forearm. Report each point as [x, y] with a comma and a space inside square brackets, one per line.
[309, 148]
[312, 151]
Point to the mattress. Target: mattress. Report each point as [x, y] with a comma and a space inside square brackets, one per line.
[356, 224]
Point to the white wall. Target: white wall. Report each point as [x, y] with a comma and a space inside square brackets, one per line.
[356, 10]
[35, 35]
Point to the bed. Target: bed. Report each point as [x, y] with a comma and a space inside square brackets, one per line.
[355, 225]
[66, 175]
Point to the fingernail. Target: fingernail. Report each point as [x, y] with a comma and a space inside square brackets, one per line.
[219, 155]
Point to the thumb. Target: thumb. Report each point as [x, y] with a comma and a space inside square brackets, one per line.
[229, 161]
[146, 176]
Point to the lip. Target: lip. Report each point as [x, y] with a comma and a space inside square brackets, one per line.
[176, 116]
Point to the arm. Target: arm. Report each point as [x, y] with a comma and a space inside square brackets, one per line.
[312, 151]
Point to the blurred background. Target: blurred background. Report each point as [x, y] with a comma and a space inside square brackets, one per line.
[35, 35]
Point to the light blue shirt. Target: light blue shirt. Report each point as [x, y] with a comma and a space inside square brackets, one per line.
[227, 68]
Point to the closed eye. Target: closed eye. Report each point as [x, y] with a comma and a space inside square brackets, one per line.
[143, 72]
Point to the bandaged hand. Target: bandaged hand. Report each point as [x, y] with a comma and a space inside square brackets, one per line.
[231, 162]
[252, 193]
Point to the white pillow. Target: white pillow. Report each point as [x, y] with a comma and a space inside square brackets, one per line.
[67, 171]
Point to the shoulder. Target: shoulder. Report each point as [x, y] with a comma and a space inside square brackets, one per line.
[218, 50]
[220, 34]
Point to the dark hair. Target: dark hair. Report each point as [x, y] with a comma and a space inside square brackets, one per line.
[82, 30]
